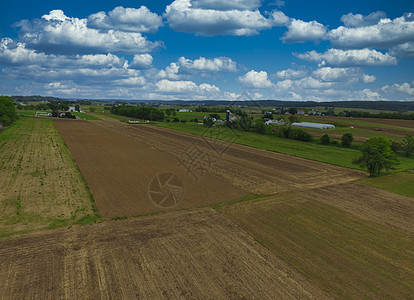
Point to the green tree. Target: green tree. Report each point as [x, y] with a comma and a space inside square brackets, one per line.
[325, 140]
[260, 126]
[407, 145]
[8, 113]
[293, 111]
[92, 109]
[208, 121]
[77, 107]
[294, 119]
[347, 139]
[168, 112]
[377, 155]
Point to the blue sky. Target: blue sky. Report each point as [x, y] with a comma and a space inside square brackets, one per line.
[208, 49]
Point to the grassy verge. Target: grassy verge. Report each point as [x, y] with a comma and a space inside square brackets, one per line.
[41, 187]
[335, 155]
[400, 183]
[109, 115]
[85, 116]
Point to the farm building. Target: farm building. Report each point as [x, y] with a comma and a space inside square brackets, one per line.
[314, 125]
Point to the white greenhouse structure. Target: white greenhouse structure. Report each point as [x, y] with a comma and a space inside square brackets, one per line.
[313, 125]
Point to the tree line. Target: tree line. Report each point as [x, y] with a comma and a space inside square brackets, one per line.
[8, 113]
[139, 112]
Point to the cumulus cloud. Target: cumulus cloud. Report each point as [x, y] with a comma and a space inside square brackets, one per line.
[300, 31]
[165, 85]
[279, 18]
[403, 50]
[404, 88]
[56, 33]
[126, 19]
[202, 64]
[349, 58]
[358, 20]
[342, 75]
[385, 33]
[15, 54]
[141, 61]
[255, 79]
[183, 17]
[227, 4]
[290, 73]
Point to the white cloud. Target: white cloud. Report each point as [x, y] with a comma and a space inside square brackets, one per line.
[385, 33]
[227, 4]
[141, 61]
[183, 17]
[56, 33]
[171, 72]
[182, 86]
[12, 53]
[342, 75]
[55, 14]
[404, 88]
[290, 73]
[312, 83]
[358, 20]
[202, 64]
[126, 19]
[300, 31]
[348, 58]
[368, 78]
[403, 50]
[369, 95]
[255, 79]
[279, 18]
[134, 81]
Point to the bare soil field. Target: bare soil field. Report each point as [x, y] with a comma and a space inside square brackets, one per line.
[180, 255]
[349, 255]
[40, 184]
[393, 210]
[120, 163]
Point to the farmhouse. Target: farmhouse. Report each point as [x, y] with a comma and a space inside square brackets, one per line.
[313, 125]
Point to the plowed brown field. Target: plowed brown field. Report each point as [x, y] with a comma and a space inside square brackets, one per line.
[119, 162]
[184, 254]
[352, 241]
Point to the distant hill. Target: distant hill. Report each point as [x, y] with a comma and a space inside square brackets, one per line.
[379, 105]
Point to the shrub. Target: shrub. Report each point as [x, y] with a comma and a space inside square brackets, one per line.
[347, 140]
[176, 120]
[325, 140]
[407, 145]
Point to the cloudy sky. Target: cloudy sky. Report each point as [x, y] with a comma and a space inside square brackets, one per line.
[208, 49]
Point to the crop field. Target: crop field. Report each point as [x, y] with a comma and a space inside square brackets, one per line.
[315, 151]
[339, 243]
[195, 216]
[184, 254]
[40, 185]
[120, 162]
